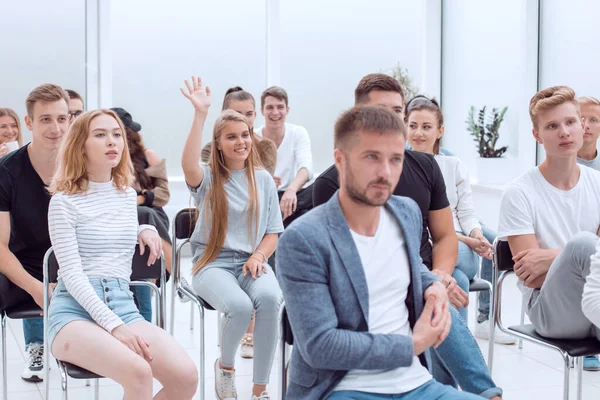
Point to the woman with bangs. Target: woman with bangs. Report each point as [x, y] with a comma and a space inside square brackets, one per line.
[236, 232]
[10, 131]
[92, 318]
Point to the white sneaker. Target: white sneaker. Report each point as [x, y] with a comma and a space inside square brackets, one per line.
[247, 348]
[34, 363]
[263, 396]
[482, 331]
[182, 298]
[224, 383]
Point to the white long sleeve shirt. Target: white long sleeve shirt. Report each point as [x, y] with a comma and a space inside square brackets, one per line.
[458, 191]
[590, 301]
[293, 154]
[93, 235]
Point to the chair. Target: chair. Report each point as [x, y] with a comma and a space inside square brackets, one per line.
[287, 339]
[24, 310]
[183, 227]
[572, 351]
[139, 274]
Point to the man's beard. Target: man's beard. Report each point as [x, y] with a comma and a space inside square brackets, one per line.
[360, 196]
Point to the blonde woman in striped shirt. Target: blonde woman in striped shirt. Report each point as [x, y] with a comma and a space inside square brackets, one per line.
[93, 224]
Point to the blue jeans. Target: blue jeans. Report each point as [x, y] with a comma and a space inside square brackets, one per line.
[467, 265]
[143, 297]
[431, 390]
[458, 360]
[487, 269]
[33, 330]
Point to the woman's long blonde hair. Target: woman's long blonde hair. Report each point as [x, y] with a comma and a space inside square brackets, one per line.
[217, 204]
[9, 112]
[71, 173]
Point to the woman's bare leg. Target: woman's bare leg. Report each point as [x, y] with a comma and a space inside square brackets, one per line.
[170, 364]
[88, 346]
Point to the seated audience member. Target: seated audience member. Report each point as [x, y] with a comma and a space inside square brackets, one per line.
[425, 124]
[236, 232]
[24, 175]
[152, 187]
[422, 181]
[363, 308]
[588, 156]
[550, 217]
[10, 131]
[294, 169]
[76, 106]
[237, 99]
[94, 229]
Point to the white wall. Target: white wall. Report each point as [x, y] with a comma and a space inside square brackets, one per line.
[487, 60]
[328, 46]
[42, 42]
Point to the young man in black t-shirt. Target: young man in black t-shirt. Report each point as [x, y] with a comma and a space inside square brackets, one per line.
[24, 238]
[422, 181]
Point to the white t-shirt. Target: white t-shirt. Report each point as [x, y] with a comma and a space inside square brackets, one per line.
[458, 190]
[531, 205]
[293, 153]
[386, 265]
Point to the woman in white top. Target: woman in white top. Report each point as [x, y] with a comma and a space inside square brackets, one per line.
[93, 320]
[425, 124]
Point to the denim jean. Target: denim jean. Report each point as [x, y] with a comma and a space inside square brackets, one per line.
[431, 390]
[33, 330]
[143, 298]
[222, 284]
[487, 269]
[458, 360]
[467, 265]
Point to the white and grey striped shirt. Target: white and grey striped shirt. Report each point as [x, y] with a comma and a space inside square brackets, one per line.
[94, 235]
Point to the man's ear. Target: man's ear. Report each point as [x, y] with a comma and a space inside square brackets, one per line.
[338, 155]
[28, 123]
[536, 136]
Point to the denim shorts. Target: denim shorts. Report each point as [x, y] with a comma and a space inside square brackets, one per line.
[114, 292]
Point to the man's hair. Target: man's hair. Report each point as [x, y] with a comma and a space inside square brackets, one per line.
[363, 119]
[73, 95]
[274, 91]
[588, 101]
[549, 98]
[382, 82]
[46, 93]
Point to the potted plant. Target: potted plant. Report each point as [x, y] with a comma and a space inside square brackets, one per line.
[401, 75]
[485, 131]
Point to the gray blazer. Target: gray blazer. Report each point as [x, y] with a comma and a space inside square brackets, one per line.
[327, 299]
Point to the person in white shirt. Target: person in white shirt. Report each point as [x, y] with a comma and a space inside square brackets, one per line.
[92, 218]
[550, 217]
[425, 122]
[294, 168]
[590, 112]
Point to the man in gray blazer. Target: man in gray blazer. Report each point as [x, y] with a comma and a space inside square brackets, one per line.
[363, 308]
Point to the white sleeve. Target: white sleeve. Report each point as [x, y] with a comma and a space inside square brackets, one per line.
[465, 210]
[62, 220]
[303, 152]
[516, 213]
[590, 302]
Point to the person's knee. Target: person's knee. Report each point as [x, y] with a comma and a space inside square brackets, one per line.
[139, 374]
[582, 244]
[240, 308]
[269, 301]
[185, 382]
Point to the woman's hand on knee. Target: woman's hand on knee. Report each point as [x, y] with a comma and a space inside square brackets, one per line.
[254, 267]
[133, 341]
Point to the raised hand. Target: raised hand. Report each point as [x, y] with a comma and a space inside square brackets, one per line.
[197, 94]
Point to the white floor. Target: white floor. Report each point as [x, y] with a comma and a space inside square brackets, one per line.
[531, 373]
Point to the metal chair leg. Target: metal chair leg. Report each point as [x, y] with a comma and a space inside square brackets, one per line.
[579, 378]
[567, 372]
[97, 389]
[283, 369]
[4, 358]
[202, 355]
[63, 381]
[492, 319]
[523, 301]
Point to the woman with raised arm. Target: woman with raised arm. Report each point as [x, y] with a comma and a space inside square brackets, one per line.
[236, 232]
[92, 217]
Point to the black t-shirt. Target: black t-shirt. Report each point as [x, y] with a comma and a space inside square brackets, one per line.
[421, 180]
[24, 195]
